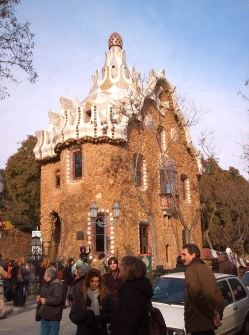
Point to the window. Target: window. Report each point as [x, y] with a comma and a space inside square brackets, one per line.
[144, 238]
[100, 236]
[169, 291]
[77, 164]
[168, 180]
[173, 135]
[238, 290]
[161, 137]
[138, 169]
[226, 292]
[57, 179]
[184, 186]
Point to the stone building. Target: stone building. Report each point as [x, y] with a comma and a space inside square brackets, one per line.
[118, 170]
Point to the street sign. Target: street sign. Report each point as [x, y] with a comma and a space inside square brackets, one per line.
[36, 233]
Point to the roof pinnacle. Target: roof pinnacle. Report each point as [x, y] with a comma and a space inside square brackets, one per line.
[115, 40]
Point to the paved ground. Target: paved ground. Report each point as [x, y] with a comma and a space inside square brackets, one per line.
[22, 321]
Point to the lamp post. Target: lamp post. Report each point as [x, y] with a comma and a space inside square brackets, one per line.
[116, 209]
[36, 251]
[94, 210]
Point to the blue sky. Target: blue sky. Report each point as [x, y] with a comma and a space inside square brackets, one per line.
[202, 44]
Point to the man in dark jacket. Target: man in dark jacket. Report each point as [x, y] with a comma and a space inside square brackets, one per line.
[111, 279]
[203, 302]
[51, 303]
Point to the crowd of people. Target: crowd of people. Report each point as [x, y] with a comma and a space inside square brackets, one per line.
[106, 297]
[103, 297]
[15, 276]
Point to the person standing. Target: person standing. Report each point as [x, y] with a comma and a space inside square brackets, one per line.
[18, 284]
[77, 284]
[25, 268]
[91, 309]
[67, 280]
[3, 274]
[99, 263]
[84, 254]
[50, 303]
[203, 302]
[40, 274]
[111, 279]
[131, 311]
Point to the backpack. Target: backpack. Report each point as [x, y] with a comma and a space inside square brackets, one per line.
[157, 325]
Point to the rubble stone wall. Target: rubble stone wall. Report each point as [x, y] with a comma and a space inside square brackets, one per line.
[108, 177]
[15, 244]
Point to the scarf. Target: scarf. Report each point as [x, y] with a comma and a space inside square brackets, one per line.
[93, 296]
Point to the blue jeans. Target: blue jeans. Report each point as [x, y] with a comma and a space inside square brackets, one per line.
[49, 327]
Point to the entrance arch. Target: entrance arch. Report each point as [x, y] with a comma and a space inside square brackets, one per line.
[56, 234]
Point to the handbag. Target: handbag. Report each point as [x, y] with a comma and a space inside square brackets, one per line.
[37, 316]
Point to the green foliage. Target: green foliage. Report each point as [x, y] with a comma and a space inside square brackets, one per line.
[22, 178]
[225, 206]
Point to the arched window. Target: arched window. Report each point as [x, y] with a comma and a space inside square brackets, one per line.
[57, 179]
[185, 188]
[143, 238]
[168, 177]
[161, 137]
[139, 170]
[77, 163]
[174, 135]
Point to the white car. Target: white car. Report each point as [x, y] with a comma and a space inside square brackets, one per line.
[169, 295]
[245, 279]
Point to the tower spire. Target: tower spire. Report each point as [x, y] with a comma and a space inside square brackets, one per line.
[115, 40]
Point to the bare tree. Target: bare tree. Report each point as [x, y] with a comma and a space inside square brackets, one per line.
[16, 47]
[143, 93]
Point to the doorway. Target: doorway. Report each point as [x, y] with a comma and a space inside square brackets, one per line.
[102, 234]
[56, 235]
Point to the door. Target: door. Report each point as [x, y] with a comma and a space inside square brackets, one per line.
[241, 301]
[229, 314]
[102, 235]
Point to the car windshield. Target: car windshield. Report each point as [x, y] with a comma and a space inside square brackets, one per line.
[169, 291]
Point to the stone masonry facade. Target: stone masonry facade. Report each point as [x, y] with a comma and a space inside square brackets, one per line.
[130, 172]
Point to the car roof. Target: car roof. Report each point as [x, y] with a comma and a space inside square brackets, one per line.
[181, 275]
